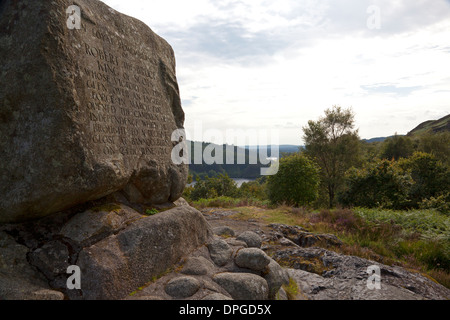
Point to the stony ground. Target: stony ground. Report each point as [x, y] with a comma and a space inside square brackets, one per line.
[253, 260]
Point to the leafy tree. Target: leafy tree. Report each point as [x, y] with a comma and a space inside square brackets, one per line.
[370, 150]
[397, 147]
[436, 144]
[334, 144]
[296, 182]
[380, 184]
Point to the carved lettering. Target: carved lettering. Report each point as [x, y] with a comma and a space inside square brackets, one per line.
[124, 108]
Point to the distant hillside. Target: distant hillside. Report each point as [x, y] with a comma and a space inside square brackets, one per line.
[283, 148]
[235, 170]
[247, 170]
[432, 126]
[378, 139]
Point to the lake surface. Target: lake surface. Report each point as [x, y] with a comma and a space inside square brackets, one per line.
[238, 181]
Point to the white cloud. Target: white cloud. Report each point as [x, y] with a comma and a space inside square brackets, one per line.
[278, 64]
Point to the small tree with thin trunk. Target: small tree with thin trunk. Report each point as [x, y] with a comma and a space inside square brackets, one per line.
[334, 144]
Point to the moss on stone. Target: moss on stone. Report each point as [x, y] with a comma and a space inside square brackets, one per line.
[109, 207]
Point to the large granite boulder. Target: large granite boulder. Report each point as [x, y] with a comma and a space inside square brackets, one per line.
[88, 104]
[149, 247]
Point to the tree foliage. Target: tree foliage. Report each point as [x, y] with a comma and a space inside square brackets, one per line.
[397, 147]
[296, 182]
[379, 184]
[431, 177]
[333, 143]
[438, 144]
[253, 189]
[418, 181]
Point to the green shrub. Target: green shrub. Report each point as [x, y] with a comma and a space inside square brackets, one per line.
[431, 177]
[222, 185]
[379, 184]
[440, 203]
[253, 189]
[296, 182]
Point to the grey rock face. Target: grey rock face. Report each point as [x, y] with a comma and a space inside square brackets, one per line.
[345, 278]
[224, 231]
[216, 296]
[252, 239]
[197, 266]
[243, 286]
[18, 280]
[51, 259]
[301, 237]
[182, 287]
[84, 112]
[219, 251]
[95, 224]
[275, 277]
[252, 258]
[116, 265]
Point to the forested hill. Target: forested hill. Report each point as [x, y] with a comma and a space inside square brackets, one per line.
[249, 168]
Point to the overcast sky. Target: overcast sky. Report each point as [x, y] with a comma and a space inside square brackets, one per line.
[274, 65]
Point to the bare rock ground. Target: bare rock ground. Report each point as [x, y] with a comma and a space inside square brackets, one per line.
[298, 256]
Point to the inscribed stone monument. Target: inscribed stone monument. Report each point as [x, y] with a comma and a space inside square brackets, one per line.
[88, 104]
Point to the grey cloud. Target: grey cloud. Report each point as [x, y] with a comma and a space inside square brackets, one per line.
[227, 41]
[231, 41]
[390, 89]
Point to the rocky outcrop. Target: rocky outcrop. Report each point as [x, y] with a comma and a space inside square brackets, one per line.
[252, 258]
[18, 279]
[240, 273]
[251, 239]
[346, 278]
[173, 255]
[87, 108]
[318, 273]
[303, 238]
[116, 248]
[243, 286]
[116, 265]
